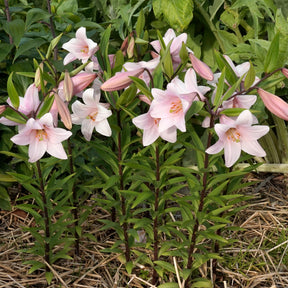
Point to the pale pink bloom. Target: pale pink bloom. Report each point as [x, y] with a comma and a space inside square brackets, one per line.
[151, 131]
[201, 68]
[189, 89]
[80, 47]
[92, 114]
[170, 107]
[42, 136]
[121, 80]
[237, 135]
[175, 47]
[28, 104]
[274, 104]
[147, 65]
[239, 71]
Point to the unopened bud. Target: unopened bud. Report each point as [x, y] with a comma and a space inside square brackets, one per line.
[2, 108]
[68, 87]
[201, 68]
[130, 49]
[38, 75]
[121, 80]
[285, 72]
[63, 112]
[274, 104]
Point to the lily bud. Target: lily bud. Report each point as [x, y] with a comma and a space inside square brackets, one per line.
[68, 87]
[285, 72]
[63, 112]
[130, 49]
[145, 99]
[37, 80]
[81, 81]
[121, 80]
[201, 68]
[2, 108]
[274, 104]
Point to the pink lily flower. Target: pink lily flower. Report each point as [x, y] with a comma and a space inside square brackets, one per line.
[151, 130]
[189, 89]
[175, 47]
[80, 47]
[41, 136]
[146, 66]
[92, 114]
[28, 104]
[170, 107]
[274, 104]
[237, 135]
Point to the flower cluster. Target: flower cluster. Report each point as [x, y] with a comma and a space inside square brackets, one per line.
[167, 105]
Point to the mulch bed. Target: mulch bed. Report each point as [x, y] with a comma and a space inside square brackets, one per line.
[258, 257]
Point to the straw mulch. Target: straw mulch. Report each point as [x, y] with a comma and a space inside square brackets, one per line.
[258, 257]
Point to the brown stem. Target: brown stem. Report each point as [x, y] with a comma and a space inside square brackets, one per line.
[123, 204]
[155, 223]
[46, 218]
[8, 17]
[201, 204]
[52, 28]
[75, 203]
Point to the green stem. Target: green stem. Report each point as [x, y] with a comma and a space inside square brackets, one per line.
[46, 217]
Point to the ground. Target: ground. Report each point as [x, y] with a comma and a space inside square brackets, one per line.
[258, 258]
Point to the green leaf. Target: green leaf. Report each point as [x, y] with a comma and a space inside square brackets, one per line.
[35, 265]
[16, 29]
[178, 14]
[141, 85]
[219, 90]
[271, 60]
[140, 24]
[166, 265]
[12, 93]
[67, 6]
[142, 197]
[129, 267]
[48, 102]
[49, 277]
[6, 178]
[104, 44]
[4, 50]
[201, 283]
[27, 45]
[222, 62]
[232, 112]
[52, 45]
[35, 15]
[169, 285]
[13, 116]
[250, 77]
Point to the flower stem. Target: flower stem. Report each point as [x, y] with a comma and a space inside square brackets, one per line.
[8, 17]
[201, 205]
[155, 223]
[75, 202]
[121, 186]
[46, 217]
[52, 28]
